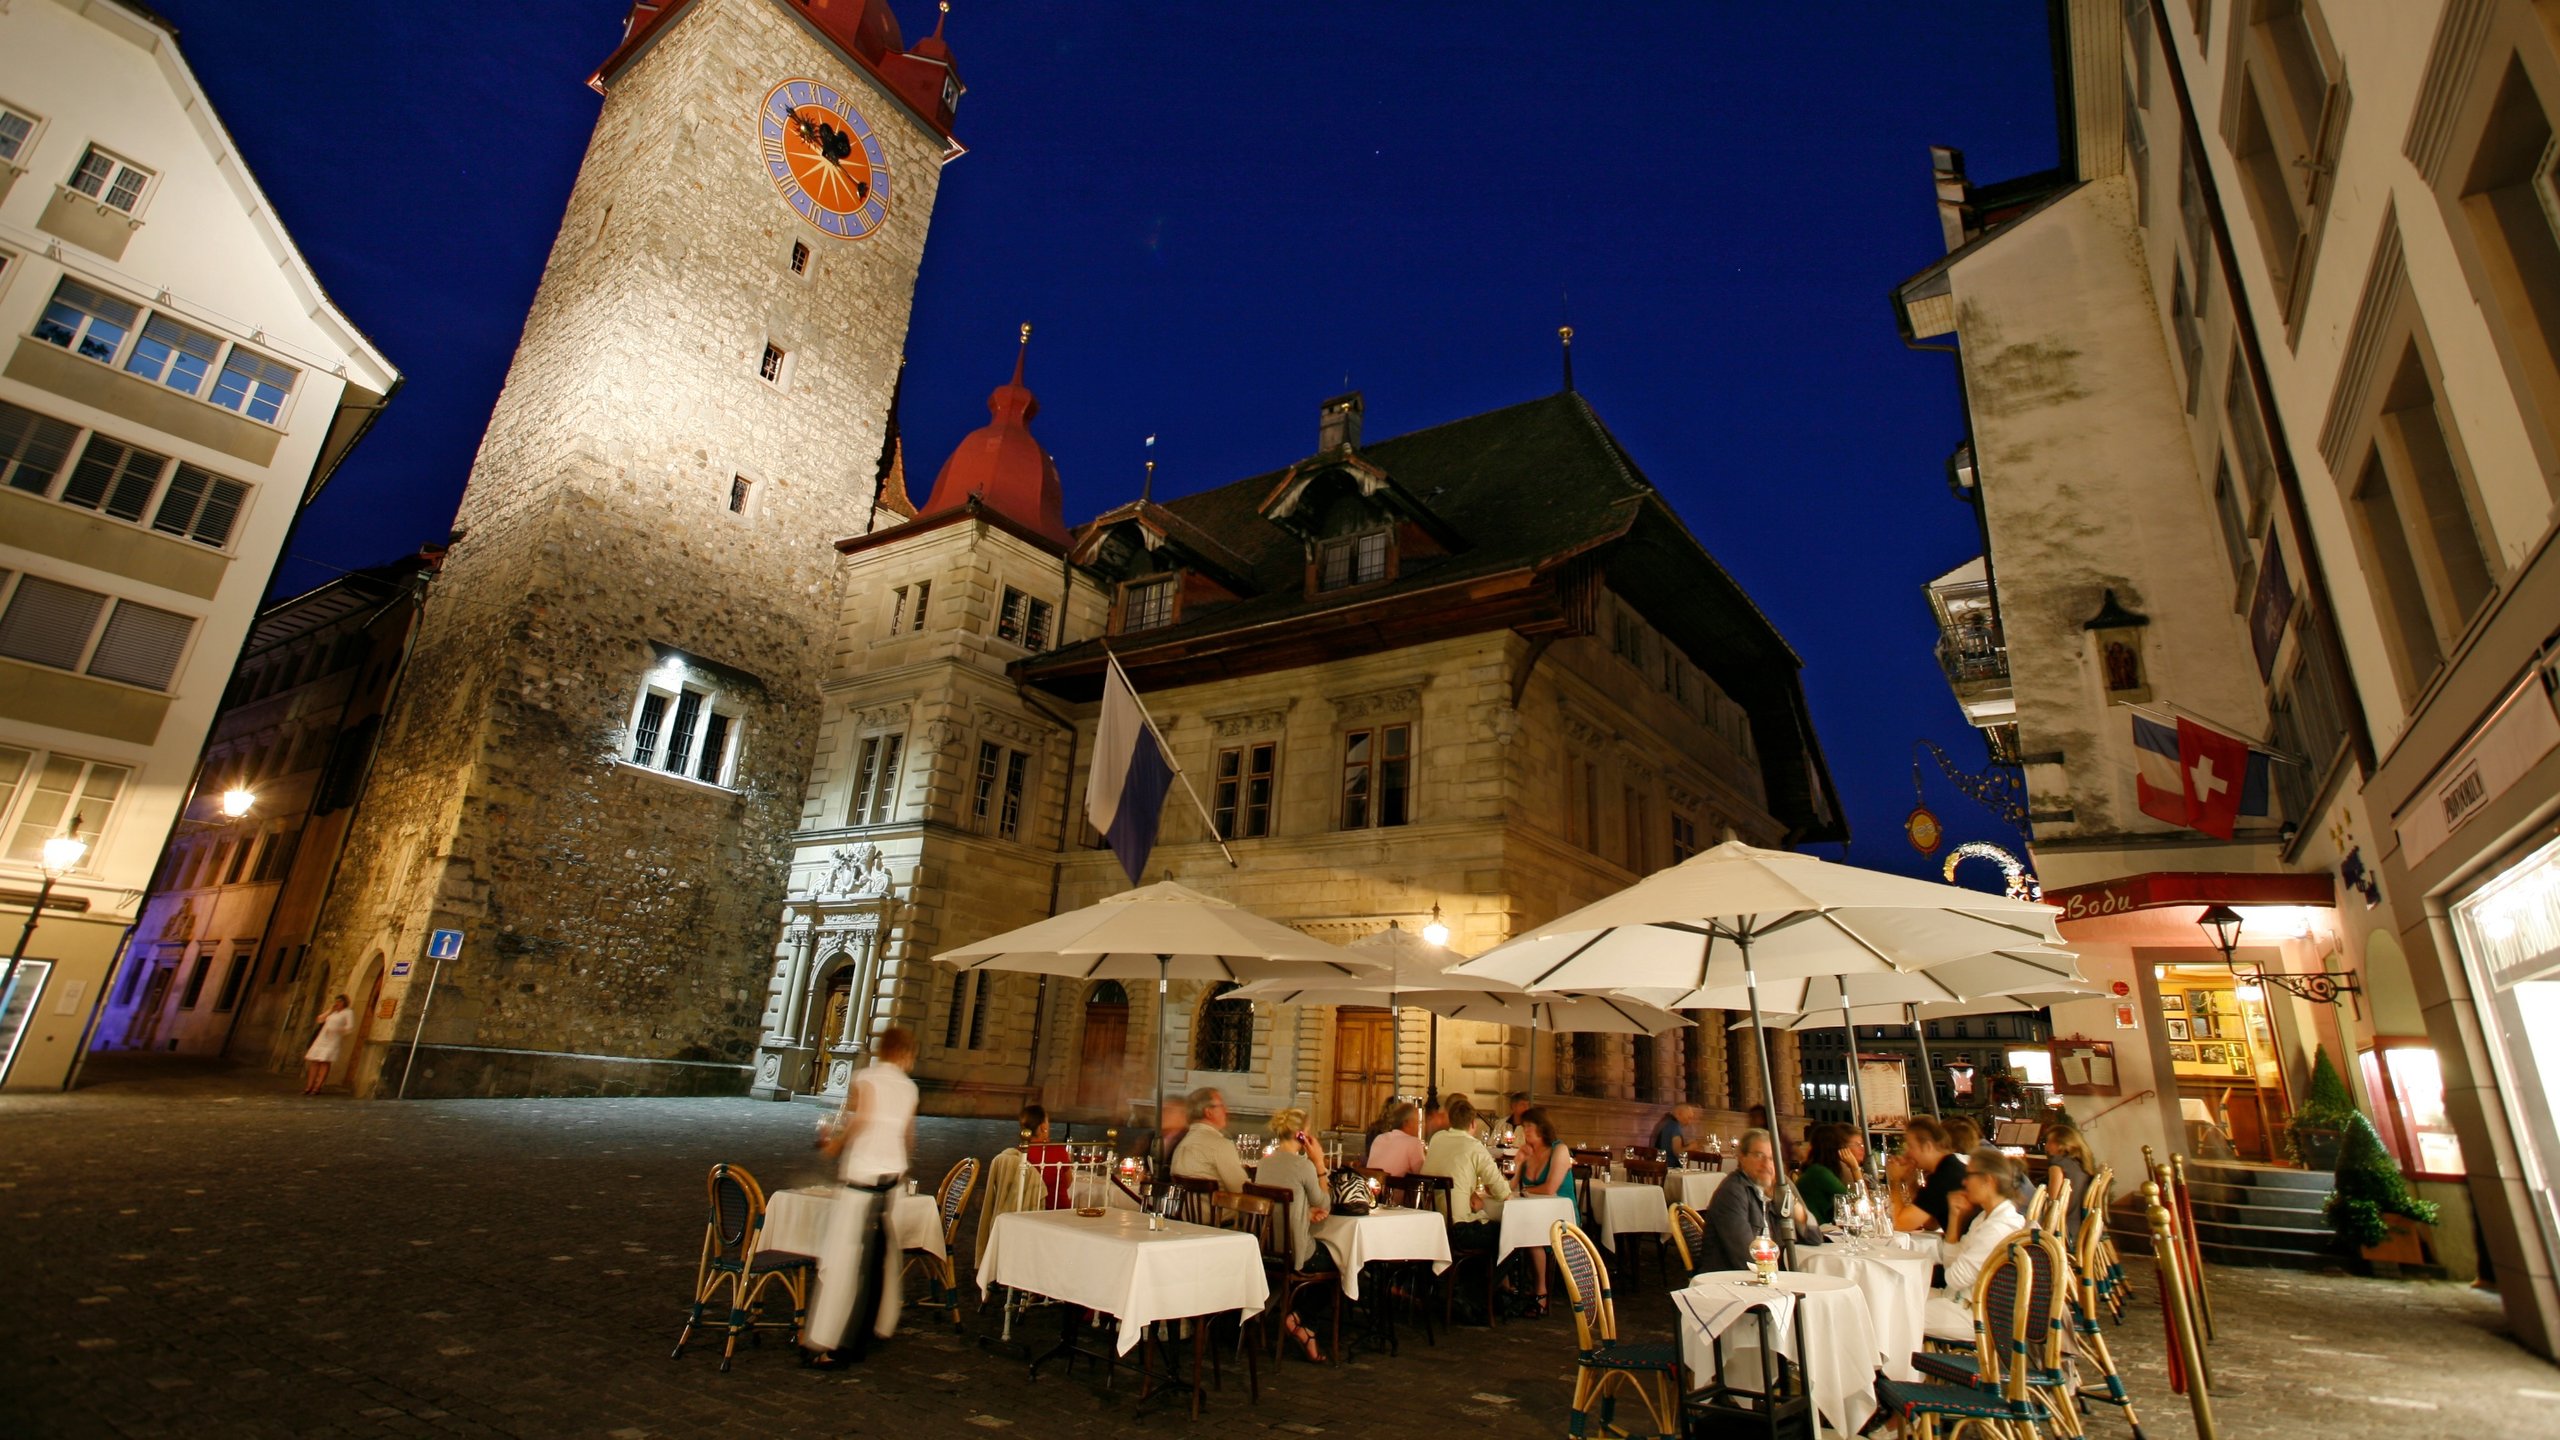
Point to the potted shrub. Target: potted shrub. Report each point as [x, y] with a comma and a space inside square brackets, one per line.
[2315, 1132]
[2372, 1209]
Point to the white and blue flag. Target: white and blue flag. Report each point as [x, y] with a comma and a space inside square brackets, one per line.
[1124, 797]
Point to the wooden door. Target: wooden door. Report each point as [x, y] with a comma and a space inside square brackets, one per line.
[1364, 1062]
[1103, 1061]
[144, 1027]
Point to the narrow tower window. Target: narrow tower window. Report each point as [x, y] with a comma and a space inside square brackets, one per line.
[799, 257]
[739, 488]
[771, 366]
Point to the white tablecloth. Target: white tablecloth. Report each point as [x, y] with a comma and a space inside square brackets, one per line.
[1693, 1188]
[1114, 1264]
[797, 1220]
[1629, 1207]
[1525, 1220]
[1355, 1240]
[1896, 1284]
[1842, 1367]
[1009, 1185]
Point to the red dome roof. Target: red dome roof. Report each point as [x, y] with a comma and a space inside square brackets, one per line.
[1004, 467]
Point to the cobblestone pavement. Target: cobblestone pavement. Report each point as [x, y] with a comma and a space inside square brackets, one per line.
[206, 1253]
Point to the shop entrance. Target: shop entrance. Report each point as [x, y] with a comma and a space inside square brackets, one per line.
[1364, 1050]
[2231, 1085]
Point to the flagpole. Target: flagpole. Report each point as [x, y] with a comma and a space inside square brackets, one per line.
[1165, 748]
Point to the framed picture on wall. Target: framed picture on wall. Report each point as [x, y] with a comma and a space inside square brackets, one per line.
[2240, 1060]
[2177, 1030]
[2182, 1054]
[2211, 1055]
[2204, 1024]
[2173, 1002]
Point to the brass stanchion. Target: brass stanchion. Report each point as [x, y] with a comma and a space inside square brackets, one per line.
[2195, 1246]
[2179, 1310]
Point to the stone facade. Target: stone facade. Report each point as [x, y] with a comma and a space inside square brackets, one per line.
[1546, 773]
[613, 910]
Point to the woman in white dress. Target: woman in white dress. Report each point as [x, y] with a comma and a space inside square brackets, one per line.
[328, 1045]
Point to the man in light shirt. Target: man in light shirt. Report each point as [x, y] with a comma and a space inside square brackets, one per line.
[1205, 1152]
[1476, 1186]
[1398, 1148]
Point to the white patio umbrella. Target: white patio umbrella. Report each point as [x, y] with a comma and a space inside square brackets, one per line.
[1165, 932]
[1851, 1014]
[1780, 915]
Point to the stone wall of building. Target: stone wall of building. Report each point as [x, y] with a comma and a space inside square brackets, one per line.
[610, 911]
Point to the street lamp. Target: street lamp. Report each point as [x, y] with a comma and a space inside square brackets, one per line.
[62, 855]
[2221, 925]
[1435, 930]
[236, 802]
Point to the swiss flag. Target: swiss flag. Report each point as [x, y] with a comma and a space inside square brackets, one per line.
[2212, 767]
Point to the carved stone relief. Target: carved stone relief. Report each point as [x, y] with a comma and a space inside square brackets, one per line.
[1398, 699]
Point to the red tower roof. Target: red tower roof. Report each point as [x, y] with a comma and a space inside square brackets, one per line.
[867, 30]
[1003, 467]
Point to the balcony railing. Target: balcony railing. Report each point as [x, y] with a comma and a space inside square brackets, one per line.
[1973, 656]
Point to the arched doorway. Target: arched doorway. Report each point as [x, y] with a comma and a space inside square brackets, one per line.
[838, 1009]
[366, 998]
[1102, 1060]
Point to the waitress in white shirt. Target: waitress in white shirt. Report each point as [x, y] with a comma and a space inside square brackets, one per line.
[328, 1045]
[1979, 1217]
[858, 1293]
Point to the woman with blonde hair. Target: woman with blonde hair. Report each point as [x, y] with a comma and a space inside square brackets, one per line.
[1296, 1165]
[2068, 1151]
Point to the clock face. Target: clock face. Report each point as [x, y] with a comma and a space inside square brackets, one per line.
[824, 158]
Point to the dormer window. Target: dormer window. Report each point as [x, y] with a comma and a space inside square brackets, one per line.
[1353, 560]
[1147, 604]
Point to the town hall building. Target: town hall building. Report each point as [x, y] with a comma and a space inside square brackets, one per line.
[1481, 672]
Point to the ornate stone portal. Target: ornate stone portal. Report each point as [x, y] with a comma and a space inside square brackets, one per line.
[826, 973]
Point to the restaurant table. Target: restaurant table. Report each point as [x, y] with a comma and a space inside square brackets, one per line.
[1011, 1185]
[1383, 1234]
[1693, 1188]
[1629, 1207]
[1896, 1284]
[796, 1220]
[1525, 1222]
[1114, 1264]
[1840, 1367]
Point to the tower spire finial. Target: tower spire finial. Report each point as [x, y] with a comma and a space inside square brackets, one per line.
[1147, 490]
[1026, 350]
[1565, 334]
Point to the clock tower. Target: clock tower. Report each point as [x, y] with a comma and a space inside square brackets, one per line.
[606, 727]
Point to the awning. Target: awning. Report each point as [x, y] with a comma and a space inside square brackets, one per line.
[2162, 889]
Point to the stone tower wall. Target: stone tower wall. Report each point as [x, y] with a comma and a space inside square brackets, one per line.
[618, 920]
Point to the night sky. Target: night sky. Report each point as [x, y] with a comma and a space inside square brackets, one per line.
[1215, 213]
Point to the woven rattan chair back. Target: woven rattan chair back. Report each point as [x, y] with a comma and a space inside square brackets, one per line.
[1688, 1235]
[2002, 1316]
[953, 1197]
[1586, 1285]
[737, 1213]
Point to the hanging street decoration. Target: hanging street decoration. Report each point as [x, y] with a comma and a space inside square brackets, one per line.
[2002, 790]
[2022, 886]
[1925, 831]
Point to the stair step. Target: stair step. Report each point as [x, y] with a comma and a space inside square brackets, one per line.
[2242, 1255]
[2308, 1202]
[2282, 1217]
[2264, 1177]
[2264, 1237]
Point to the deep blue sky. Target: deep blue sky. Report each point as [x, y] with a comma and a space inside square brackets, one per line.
[1213, 213]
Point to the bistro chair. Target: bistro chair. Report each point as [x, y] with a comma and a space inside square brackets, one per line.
[2088, 1343]
[1688, 1240]
[1436, 1192]
[1586, 1206]
[1606, 1366]
[1647, 1169]
[1249, 1215]
[1197, 1191]
[2106, 1264]
[951, 1200]
[2048, 1303]
[1288, 1282]
[1642, 1152]
[1993, 1392]
[735, 1262]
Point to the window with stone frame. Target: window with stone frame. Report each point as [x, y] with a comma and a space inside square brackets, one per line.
[1582, 805]
[2486, 139]
[1684, 837]
[964, 1026]
[1588, 1073]
[64, 627]
[2235, 531]
[2187, 323]
[684, 724]
[1245, 785]
[876, 773]
[998, 792]
[1222, 1035]
[1148, 603]
[111, 180]
[1637, 817]
[16, 127]
[2411, 501]
[1346, 561]
[1377, 776]
[2284, 123]
[43, 793]
[908, 605]
[1024, 620]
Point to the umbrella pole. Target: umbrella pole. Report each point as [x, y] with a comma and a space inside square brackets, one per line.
[1431, 1066]
[1857, 1085]
[1532, 1091]
[1164, 969]
[1785, 1226]
[1928, 1075]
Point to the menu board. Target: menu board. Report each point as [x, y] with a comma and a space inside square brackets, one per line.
[2082, 1066]
[1886, 1089]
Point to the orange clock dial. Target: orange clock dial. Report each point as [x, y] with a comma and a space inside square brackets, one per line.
[824, 158]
